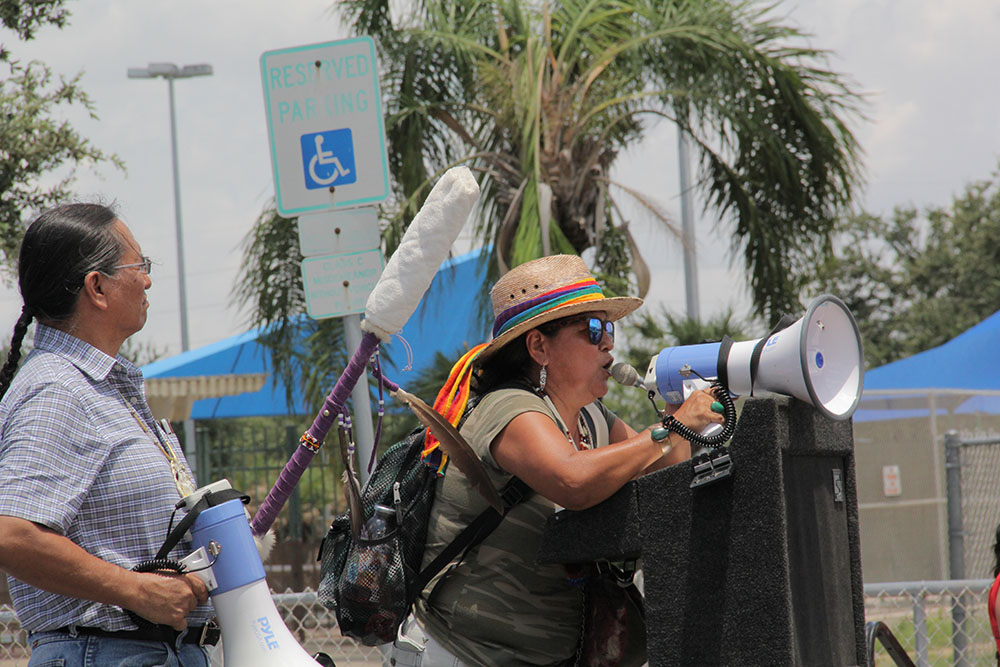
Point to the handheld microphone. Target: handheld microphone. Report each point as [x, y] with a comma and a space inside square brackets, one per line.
[626, 374]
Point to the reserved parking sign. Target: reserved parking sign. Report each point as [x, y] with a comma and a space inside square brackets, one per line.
[325, 126]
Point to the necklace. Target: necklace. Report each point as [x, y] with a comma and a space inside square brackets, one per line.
[182, 479]
[581, 424]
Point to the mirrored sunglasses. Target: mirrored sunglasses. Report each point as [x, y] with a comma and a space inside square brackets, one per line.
[596, 328]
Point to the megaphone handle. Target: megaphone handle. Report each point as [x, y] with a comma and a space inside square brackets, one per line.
[717, 440]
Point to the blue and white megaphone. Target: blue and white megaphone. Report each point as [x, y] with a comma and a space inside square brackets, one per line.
[818, 359]
[226, 558]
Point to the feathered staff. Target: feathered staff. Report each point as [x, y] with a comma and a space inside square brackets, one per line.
[406, 277]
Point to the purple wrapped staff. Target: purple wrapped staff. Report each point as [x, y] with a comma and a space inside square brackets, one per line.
[406, 277]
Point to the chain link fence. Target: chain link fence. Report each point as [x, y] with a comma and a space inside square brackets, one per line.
[973, 500]
[922, 616]
[938, 623]
[310, 623]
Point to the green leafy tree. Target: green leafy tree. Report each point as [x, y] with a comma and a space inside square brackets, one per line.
[915, 279]
[34, 142]
[25, 18]
[542, 97]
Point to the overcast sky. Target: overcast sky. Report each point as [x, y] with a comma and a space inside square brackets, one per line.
[928, 68]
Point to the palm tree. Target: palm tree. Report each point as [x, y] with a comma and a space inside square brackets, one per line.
[541, 97]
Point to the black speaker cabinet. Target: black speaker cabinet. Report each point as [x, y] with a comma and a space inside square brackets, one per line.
[762, 567]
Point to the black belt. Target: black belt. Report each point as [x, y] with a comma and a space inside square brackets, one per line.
[202, 635]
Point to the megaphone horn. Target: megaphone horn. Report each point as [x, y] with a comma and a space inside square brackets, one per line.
[253, 633]
[818, 359]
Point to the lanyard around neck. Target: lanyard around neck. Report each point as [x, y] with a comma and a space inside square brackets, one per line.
[185, 485]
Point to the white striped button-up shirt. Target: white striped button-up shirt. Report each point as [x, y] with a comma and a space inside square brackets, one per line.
[75, 458]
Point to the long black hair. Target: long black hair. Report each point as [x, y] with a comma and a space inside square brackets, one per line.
[60, 247]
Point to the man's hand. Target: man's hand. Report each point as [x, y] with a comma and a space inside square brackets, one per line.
[42, 558]
[168, 598]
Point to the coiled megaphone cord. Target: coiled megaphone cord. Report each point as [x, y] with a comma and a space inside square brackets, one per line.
[728, 426]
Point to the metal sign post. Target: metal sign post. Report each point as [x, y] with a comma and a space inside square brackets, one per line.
[327, 137]
[364, 436]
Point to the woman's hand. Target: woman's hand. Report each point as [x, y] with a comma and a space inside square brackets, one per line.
[696, 411]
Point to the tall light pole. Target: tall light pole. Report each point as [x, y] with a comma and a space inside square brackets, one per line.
[170, 71]
[687, 230]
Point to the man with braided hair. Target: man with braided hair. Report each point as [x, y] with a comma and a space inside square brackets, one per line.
[89, 477]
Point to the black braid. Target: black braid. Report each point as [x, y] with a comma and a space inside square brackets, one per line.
[14, 356]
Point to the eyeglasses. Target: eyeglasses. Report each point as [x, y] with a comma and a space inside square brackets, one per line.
[145, 266]
[596, 328]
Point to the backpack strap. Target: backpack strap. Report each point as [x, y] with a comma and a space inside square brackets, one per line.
[514, 492]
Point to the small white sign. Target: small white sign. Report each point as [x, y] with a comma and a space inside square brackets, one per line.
[338, 285]
[891, 483]
[324, 122]
[338, 232]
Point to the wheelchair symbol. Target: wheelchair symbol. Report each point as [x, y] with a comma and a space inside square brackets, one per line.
[328, 158]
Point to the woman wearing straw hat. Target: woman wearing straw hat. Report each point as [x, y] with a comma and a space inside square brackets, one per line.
[537, 418]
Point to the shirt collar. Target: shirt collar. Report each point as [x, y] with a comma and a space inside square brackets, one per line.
[96, 364]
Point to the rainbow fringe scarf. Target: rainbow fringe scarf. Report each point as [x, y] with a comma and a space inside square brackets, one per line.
[450, 403]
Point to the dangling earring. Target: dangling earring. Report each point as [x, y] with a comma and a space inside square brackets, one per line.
[542, 377]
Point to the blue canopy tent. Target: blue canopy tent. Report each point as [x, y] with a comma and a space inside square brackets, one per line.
[961, 376]
[447, 320]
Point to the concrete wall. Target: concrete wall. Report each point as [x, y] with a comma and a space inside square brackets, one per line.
[905, 537]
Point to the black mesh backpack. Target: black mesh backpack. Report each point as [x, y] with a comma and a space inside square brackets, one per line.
[371, 584]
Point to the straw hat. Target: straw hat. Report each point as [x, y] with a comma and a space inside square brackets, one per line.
[547, 289]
